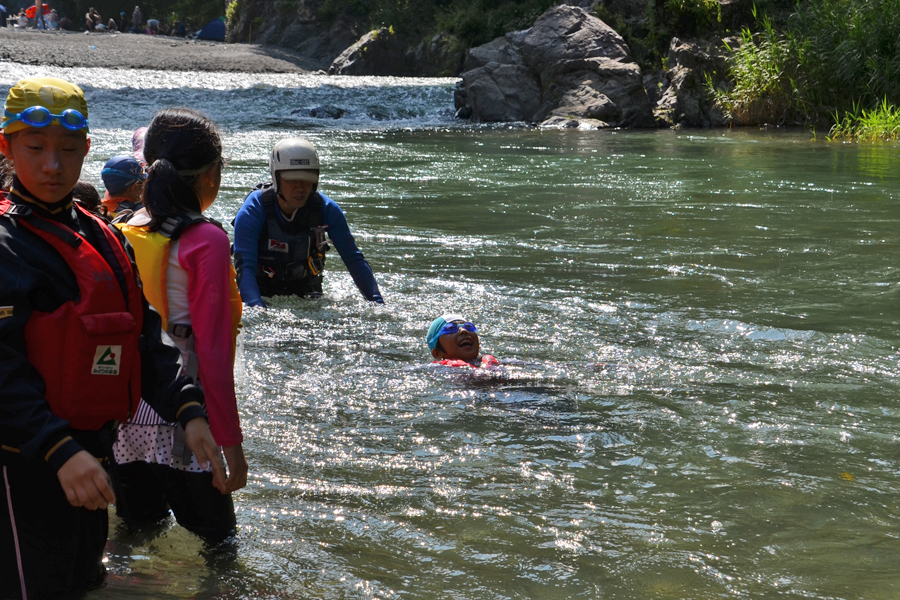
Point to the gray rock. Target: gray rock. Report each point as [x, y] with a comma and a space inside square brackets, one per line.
[441, 57]
[378, 52]
[688, 102]
[500, 50]
[498, 92]
[321, 112]
[570, 66]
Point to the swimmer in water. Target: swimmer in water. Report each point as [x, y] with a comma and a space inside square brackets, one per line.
[453, 342]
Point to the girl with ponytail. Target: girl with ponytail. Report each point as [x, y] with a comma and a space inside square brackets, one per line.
[185, 264]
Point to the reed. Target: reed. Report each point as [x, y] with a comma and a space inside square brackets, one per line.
[827, 58]
[762, 67]
[879, 123]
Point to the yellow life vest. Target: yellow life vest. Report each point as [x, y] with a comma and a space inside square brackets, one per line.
[151, 251]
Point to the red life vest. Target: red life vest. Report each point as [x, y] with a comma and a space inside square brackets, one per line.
[487, 361]
[87, 350]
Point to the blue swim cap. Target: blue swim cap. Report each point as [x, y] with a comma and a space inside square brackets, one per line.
[434, 332]
[119, 172]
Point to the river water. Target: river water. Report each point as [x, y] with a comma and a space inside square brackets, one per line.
[707, 321]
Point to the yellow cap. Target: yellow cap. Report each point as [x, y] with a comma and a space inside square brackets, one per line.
[56, 95]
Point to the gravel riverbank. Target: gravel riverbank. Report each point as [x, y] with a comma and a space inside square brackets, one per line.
[136, 51]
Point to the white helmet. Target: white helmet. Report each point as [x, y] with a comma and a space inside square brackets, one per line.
[295, 159]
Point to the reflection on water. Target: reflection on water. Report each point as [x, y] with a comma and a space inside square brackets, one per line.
[707, 327]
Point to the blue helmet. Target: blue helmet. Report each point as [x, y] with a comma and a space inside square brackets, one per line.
[120, 172]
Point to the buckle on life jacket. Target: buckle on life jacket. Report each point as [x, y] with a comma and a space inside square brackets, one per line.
[316, 264]
[269, 271]
[182, 331]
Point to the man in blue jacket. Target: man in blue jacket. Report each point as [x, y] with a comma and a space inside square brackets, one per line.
[279, 232]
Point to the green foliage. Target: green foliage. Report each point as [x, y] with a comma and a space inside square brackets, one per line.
[829, 60]
[852, 51]
[648, 35]
[231, 13]
[764, 71]
[879, 123]
[472, 22]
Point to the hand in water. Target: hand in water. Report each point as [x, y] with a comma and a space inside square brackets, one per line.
[201, 442]
[237, 468]
[85, 482]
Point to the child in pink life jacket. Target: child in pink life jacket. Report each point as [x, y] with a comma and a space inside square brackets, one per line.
[453, 342]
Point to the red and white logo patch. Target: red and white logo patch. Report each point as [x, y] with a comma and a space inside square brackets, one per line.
[276, 246]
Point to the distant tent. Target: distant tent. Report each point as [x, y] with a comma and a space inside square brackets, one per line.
[214, 30]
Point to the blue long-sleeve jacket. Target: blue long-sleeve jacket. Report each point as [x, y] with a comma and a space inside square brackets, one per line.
[248, 227]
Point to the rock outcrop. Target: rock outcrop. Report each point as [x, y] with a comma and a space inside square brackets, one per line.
[378, 52]
[299, 30]
[569, 70]
[686, 98]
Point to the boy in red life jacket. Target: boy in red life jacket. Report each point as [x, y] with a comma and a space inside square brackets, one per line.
[79, 347]
[453, 342]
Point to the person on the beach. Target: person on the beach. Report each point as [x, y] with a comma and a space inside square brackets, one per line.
[279, 232]
[79, 345]
[454, 342]
[124, 178]
[137, 20]
[185, 262]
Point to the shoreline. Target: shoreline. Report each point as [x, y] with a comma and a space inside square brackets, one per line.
[140, 51]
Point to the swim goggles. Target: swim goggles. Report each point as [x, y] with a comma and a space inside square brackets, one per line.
[451, 328]
[40, 116]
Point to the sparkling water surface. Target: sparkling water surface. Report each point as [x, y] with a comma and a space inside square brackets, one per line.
[706, 403]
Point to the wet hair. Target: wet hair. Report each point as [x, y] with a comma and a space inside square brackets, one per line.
[87, 195]
[180, 144]
[6, 173]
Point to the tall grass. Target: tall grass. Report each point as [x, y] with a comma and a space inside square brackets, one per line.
[763, 68]
[879, 123]
[830, 61]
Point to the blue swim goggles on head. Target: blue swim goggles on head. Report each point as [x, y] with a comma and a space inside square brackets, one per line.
[451, 328]
[40, 116]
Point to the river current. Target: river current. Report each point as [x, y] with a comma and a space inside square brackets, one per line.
[706, 403]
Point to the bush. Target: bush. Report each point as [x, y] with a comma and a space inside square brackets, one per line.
[829, 60]
[764, 72]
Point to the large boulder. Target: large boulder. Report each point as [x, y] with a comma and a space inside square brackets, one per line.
[379, 52]
[569, 70]
[687, 100]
